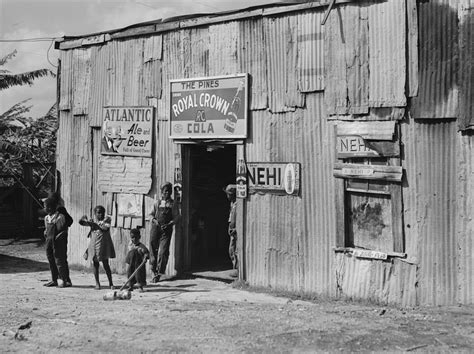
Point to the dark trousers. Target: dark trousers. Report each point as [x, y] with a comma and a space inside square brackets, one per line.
[233, 250]
[56, 251]
[160, 249]
[134, 259]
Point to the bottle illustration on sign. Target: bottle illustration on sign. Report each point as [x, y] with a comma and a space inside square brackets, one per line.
[231, 120]
[178, 178]
[241, 179]
[289, 179]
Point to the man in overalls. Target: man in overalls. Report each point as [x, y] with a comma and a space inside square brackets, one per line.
[163, 216]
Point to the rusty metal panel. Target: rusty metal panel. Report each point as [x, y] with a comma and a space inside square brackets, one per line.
[172, 68]
[438, 60]
[66, 82]
[310, 39]
[223, 41]
[151, 84]
[133, 73]
[252, 60]
[81, 80]
[412, 48]
[318, 197]
[281, 48]
[464, 220]
[116, 74]
[347, 50]
[387, 54]
[429, 198]
[75, 166]
[391, 282]
[195, 43]
[466, 54]
[289, 244]
[98, 82]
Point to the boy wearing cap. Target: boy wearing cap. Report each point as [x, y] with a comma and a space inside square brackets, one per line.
[230, 191]
[163, 216]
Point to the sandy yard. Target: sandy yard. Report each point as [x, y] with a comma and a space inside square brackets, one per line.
[200, 315]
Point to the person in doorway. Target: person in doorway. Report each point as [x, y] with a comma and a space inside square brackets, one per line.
[56, 244]
[101, 247]
[230, 191]
[137, 254]
[163, 216]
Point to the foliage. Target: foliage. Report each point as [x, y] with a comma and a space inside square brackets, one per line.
[8, 79]
[24, 139]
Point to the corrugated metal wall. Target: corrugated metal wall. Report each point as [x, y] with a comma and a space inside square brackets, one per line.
[430, 165]
[289, 240]
[464, 219]
[438, 60]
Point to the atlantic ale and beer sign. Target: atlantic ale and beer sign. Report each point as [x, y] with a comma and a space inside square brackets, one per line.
[209, 108]
[274, 177]
[127, 131]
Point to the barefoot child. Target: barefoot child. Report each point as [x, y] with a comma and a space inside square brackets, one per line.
[137, 252]
[101, 247]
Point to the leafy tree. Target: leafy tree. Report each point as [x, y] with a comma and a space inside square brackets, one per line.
[22, 138]
[8, 79]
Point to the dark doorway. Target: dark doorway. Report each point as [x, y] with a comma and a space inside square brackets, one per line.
[211, 168]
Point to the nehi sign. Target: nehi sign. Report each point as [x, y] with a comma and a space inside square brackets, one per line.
[209, 108]
[274, 177]
[127, 131]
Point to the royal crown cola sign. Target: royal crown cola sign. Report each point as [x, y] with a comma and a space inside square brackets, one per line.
[209, 108]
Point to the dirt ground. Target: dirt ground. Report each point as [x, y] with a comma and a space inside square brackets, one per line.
[200, 315]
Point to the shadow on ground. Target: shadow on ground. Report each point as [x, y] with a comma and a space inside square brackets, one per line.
[11, 264]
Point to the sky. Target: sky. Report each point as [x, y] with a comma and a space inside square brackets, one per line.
[25, 19]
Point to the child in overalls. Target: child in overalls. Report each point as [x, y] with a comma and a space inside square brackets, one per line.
[163, 216]
[137, 253]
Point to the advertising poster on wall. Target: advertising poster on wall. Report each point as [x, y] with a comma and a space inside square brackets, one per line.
[127, 131]
[209, 108]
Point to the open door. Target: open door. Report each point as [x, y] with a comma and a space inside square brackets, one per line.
[207, 170]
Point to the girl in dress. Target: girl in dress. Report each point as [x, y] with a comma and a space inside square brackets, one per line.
[101, 247]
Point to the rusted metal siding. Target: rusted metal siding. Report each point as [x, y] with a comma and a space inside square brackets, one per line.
[81, 80]
[281, 48]
[223, 41]
[75, 165]
[387, 282]
[65, 88]
[347, 50]
[465, 220]
[430, 207]
[438, 60]
[98, 83]
[387, 54]
[466, 53]
[289, 245]
[310, 42]
[252, 60]
[317, 156]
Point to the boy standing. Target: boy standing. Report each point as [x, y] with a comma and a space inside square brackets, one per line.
[137, 252]
[56, 244]
[163, 216]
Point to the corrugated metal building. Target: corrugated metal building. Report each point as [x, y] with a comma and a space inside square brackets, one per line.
[374, 106]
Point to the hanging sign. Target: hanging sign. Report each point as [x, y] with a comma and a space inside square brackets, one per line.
[127, 131]
[353, 146]
[280, 178]
[209, 108]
